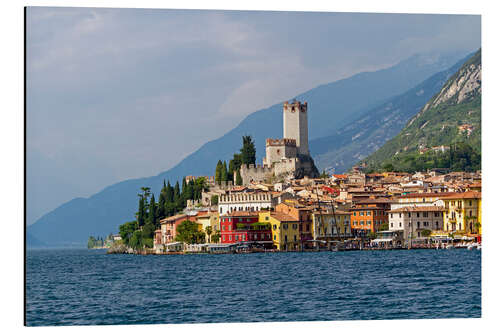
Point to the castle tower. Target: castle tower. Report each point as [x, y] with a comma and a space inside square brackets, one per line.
[295, 125]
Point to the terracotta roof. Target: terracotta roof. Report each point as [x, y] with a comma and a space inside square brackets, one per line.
[283, 217]
[465, 195]
[426, 195]
[173, 218]
[418, 209]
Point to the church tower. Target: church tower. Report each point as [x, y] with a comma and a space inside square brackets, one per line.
[295, 125]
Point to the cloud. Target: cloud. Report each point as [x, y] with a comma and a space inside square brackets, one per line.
[111, 90]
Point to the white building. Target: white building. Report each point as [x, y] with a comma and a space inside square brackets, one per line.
[244, 201]
[413, 220]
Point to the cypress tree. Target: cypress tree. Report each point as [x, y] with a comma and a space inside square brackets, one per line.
[170, 193]
[230, 171]
[248, 151]
[152, 211]
[141, 214]
[239, 180]
[223, 175]
[218, 172]
[237, 161]
[177, 192]
[162, 202]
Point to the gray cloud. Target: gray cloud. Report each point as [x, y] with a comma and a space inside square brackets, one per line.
[121, 93]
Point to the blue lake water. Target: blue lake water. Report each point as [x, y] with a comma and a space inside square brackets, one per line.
[88, 287]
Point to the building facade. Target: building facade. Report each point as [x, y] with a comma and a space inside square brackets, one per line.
[414, 220]
[369, 215]
[285, 230]
[244, 227]
[244, 202]
[462, 212]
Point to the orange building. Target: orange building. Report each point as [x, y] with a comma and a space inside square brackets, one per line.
[368, 215]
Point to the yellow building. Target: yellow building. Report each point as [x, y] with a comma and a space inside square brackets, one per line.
[479, 214]
[284, 228]
[205, 219]
[330, 226]
[462, 212]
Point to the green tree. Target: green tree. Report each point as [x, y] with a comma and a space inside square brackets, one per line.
[91, 243]
[218, 172]
[236, 161]
[208, 231]
[239, 180]
[425, 233]
[223, 175]
[162, 201]
[152, 218]
[136, 240]
[169, 193]
[216, 236]
[126, 230]
[141, 214]
[187, 232]
[248, 150]
[214, 200]
[231, 170]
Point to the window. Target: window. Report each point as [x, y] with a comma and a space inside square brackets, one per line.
[243, 237]
[400, 224]
[224, 237]
[368, 213]
[229, 237]
[274, 237]
[368, 222]
[399, 214]
[392, 215]
[294, 238]
[274, 226]
[267, 218]
[361, 213]
[409, 214]
[362, 222]
[236, 238]
[392, 225]
[294, 226]
[353, 213]
[418, 214]
[425, 214]
[285, 226]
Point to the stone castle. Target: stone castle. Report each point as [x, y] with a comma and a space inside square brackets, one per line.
[288, 157]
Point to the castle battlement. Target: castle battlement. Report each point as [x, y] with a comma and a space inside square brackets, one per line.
[256, 168]
[295, 106]
[281, 142]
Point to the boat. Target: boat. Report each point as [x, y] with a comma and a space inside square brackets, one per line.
[471, 246]
[478, 247]
[449, 246]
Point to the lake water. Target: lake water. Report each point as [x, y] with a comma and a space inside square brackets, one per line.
[88, 287]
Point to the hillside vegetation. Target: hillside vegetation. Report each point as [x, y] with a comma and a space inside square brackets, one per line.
[452, 119]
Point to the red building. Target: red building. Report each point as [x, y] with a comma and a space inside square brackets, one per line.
[244, 227]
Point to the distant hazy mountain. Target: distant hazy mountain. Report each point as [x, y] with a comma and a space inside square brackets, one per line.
[373, 128]
[331, 106]
[32, 241]
[453, 115]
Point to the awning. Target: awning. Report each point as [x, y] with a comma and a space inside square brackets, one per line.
[382, 240]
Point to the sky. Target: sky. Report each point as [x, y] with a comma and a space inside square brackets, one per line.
[114, 94]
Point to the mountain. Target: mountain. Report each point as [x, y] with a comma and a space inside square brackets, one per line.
[452, 117]
[331, 106]
[33, 242]
[372, 129]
